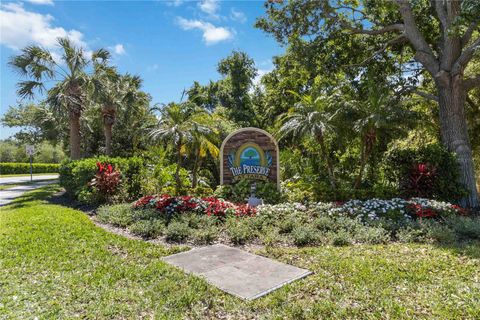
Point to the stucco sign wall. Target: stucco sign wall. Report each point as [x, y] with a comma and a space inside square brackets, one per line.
[249, 153]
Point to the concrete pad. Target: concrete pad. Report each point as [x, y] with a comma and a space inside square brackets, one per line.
[245, 275]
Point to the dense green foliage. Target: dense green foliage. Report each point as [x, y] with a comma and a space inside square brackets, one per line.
[399, 163]
[17, 168]
[340, 100]
[355, 222]
[75, 177]
[76, 269]
[241, 191]
[44, 153]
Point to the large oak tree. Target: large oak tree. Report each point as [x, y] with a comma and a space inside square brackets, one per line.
[438, 37]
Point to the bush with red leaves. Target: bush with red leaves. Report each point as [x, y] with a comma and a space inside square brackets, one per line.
[421, 181]
[107, 180]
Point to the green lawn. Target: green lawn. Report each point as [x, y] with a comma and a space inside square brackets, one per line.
[57, 264]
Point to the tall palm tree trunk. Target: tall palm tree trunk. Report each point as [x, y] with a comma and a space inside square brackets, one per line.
[196, 165]
[178, 181]
[108, 138]
[330, 170]
[74, 118]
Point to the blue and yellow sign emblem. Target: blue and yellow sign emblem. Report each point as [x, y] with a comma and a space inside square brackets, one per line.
[250, 161]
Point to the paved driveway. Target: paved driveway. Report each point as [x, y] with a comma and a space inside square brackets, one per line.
[23, 179]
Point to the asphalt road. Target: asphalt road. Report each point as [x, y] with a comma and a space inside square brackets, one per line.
[10, 194]
[23, 179]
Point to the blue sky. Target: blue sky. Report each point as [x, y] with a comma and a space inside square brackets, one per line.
[169, 44]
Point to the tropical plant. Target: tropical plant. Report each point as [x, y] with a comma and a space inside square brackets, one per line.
[182, 125]
[419, 41]
[311, 118]
[113, 92]
[379, 114]
[204, 142]
[71, 80]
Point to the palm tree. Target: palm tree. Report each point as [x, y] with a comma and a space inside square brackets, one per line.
[114, 92]
[379, 114]
[310, 118]
[180, 124]
[204, 142]
[69, 74]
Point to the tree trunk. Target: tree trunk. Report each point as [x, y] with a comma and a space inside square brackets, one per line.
[331, 172]
[177, 171]
[454, 133]
[196, 165]
[108, 138]
[363, 161]
[74, 118]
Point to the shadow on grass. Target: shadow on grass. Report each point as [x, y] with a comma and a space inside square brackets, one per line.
[34, 195]
[61, 198]
[52, 194]
[463, 248]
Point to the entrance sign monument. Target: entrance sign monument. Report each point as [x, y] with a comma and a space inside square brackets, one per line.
[249, 153]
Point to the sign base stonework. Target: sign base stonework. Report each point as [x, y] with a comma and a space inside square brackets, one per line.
[249, 153]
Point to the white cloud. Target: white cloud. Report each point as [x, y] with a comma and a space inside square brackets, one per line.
[211, 34]
[209, 6]
[260, 74]
[238, 15]
[153, 67]
[47, 2]
[20, 28]
[119, 49]
[174, 3]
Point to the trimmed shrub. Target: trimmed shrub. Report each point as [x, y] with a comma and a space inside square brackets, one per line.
[412, 233]
[240, 191]
[20, 168]
[239, 231]
[324, 223]
[287, 224]
[440, 233]
[177, 231]
[466, 228]
[371, 235]
[148, 228]
[341, 238]
[76, 175]
[205, 235]
[145, 214]
[429, 171]
[304, 235]
[120, 215]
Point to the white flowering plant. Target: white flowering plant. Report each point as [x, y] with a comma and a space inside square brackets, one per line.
[395, 209]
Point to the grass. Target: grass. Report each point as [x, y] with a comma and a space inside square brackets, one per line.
[57, 264]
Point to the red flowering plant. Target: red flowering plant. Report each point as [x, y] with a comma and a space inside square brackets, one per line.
[211, 206]
[426, 208]
[106, 180]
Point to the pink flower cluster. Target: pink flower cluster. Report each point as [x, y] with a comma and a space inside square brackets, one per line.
[211, 206]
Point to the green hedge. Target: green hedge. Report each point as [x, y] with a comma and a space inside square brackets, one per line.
[398, 163]
[18, 168]
[76, 175]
